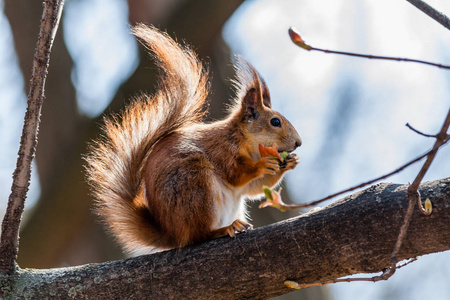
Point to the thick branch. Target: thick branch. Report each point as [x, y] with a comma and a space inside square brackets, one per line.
[354, 235]
[9, 242]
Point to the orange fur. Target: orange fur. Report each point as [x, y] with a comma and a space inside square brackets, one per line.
[162, 178]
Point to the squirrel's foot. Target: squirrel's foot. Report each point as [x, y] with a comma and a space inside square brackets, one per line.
[231, 230]
[291, 162]
[238, 226]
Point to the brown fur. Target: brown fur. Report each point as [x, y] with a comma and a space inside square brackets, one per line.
[164, 179]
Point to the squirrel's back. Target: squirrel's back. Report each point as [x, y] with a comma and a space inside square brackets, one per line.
[116, 163]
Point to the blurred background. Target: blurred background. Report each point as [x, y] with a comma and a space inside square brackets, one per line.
[350, 112]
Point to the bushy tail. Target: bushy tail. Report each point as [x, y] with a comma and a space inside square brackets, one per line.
[115, 163]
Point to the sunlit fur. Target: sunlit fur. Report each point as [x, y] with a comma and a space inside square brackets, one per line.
[162, 178]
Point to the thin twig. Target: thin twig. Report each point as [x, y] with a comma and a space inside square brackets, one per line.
[419, 132]
[383, 276]
[369, 56]
[431, 12]
[361, 185]
[441, 139]
[296, 38]
[403, 229]
[413, 191]
[9, 242]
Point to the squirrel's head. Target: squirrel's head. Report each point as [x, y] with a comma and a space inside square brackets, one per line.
[260, 124]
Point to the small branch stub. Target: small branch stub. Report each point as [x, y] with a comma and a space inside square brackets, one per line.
[419, 132]
[428, 206]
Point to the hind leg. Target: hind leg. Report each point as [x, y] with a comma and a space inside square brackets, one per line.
[182, 200]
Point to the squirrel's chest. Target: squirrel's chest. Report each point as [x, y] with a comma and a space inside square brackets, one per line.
[228, 205]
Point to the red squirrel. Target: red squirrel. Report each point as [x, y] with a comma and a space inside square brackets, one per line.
[164, 179]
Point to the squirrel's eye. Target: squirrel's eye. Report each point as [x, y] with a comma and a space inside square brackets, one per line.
[275, 122]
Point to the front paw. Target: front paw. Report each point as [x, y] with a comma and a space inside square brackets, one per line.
[269, 165]
[290, 162]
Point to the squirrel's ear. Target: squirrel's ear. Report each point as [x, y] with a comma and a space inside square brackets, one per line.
[252, 91]
[250, 103]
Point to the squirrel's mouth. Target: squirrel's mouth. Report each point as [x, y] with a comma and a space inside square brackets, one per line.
[285, 150]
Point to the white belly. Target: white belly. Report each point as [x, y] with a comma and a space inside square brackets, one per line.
[229, 205]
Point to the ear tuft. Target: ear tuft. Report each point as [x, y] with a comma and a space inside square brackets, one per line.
[249, 86]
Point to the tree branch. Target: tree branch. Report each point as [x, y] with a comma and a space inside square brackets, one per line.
[297, 39]
[414, 195]
[9, 242]
[431, 12]
[353, 235]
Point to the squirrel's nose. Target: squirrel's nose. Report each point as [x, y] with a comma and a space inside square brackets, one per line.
[298, 143]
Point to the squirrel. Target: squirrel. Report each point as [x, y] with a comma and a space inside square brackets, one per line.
[162, 178]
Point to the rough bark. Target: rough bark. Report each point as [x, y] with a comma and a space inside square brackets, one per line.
[353, 235]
